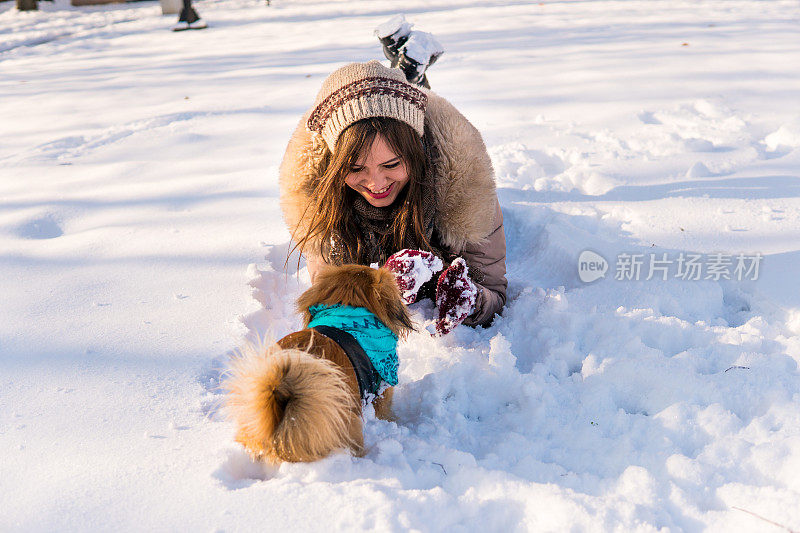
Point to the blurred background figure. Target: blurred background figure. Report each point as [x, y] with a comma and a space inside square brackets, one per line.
[189, 19]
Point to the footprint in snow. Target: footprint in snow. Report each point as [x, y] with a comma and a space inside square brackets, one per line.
[239, 471]
[45, 227]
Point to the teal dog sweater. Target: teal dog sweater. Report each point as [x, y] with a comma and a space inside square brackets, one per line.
[377, 340]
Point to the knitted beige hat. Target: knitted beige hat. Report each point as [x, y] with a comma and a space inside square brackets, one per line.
[363, 90]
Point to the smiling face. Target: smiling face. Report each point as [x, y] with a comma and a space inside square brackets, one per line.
[379, 174]
[365, 161]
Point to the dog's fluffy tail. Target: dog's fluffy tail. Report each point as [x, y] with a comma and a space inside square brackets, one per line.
[291, 406]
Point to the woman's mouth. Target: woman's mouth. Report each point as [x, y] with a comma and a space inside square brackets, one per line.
[383, 193]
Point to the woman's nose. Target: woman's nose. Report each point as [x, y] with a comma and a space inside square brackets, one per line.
[375, 178]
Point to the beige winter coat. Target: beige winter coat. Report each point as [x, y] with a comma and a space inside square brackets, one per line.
[468, 216]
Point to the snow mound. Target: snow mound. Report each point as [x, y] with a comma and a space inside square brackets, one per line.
[517, 166]
[786, 138]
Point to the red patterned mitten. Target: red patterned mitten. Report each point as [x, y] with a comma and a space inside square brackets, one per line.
[455, 296]
[411, 269]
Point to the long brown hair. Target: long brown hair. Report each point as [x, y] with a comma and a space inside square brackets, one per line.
[329, 213]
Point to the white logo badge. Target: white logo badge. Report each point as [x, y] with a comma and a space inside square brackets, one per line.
[591, 266]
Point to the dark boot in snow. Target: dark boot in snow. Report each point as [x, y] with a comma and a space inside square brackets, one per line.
[414, 71]
[418, 52]
[393, 34]
[410, 51]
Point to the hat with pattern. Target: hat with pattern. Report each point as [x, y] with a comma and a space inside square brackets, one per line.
[364, 90]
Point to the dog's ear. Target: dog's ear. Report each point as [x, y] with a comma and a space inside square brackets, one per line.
[389, 306]
[318, 293]
[342, 285]
[398, 319]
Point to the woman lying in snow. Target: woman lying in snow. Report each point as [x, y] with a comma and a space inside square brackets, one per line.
[380, 168]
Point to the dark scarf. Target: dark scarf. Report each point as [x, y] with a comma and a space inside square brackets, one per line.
[376, 223]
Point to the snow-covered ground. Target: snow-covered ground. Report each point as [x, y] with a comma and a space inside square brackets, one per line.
[141, 241]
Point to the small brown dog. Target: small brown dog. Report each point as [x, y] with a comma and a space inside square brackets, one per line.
[301, 399]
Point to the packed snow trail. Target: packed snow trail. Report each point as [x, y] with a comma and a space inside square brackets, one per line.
[139, 181]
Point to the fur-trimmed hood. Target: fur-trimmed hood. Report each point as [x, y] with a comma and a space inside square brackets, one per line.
[464, 178]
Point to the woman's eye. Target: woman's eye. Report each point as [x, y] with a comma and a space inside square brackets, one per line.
[356, 169]
[391, 165]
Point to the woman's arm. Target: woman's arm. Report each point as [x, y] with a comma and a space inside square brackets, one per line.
[490, 258]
